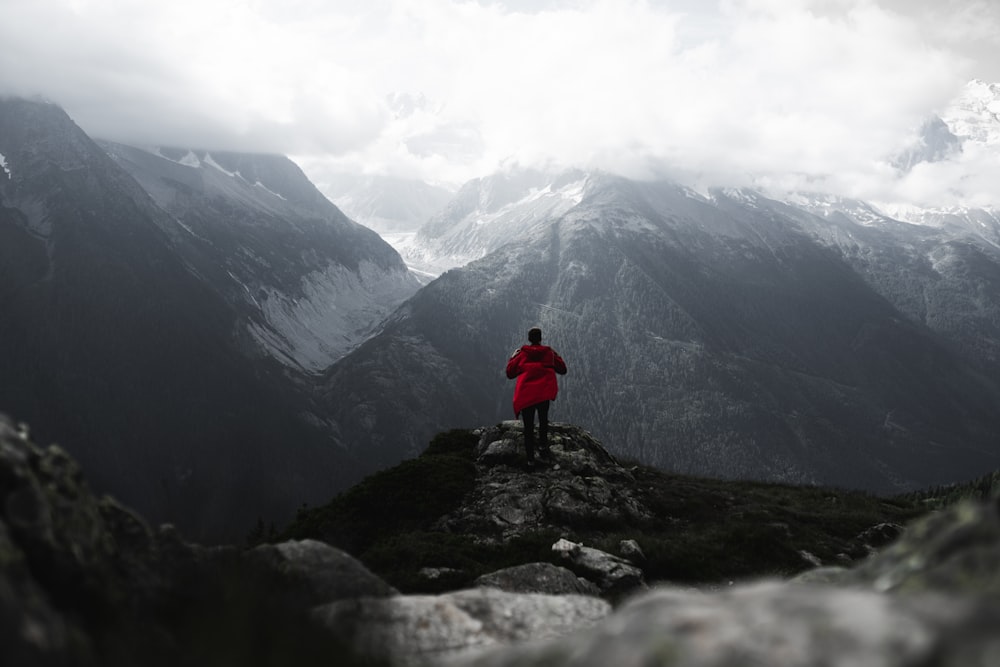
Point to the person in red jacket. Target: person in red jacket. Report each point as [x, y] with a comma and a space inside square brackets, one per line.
[535, 367]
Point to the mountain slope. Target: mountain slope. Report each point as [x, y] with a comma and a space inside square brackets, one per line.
[703, 335]
[307, 282]
[487, 213]
[110, 343]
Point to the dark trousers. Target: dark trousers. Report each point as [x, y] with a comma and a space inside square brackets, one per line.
[528, 418]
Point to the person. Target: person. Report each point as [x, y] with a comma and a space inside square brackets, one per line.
[535, 367]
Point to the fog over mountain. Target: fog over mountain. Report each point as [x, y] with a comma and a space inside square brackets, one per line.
[802, 94]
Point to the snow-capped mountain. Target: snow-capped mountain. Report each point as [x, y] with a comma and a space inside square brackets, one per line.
[309, 282]
[490, 212]
[975, 113]
[724, 335]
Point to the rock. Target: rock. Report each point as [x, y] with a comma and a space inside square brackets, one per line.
[631, 551]
[611, 574]
[31, 631]
[879, 535]
[582, 486]
[772, 623]
[830, 574]
[956, 550]
[318, 572]
[428, 629]
[538, 578]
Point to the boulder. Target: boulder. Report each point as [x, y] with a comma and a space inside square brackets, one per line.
[956, 550]
[538, 578]
[611, 574]
[318, 572]
[429, 629]
[773, 623]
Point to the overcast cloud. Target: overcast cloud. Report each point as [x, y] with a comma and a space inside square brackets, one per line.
[777, 93]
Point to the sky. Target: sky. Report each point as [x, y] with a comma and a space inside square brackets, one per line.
[775, 94]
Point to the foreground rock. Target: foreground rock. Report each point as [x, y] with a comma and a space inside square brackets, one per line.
[426, 629]
[932, 599]
[316, 572]
[538, 578]
[85, 582]
[775, 624]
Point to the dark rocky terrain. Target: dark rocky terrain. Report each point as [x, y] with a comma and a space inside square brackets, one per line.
[85, 581]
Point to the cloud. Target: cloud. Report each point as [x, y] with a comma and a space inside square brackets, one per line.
[742, 92]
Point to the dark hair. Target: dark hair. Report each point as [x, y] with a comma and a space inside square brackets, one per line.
[534, 335]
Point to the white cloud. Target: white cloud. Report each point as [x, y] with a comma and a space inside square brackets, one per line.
[775, 92]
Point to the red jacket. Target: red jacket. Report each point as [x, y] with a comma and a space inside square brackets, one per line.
[535, 367]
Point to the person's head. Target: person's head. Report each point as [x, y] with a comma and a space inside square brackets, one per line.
[534, 335]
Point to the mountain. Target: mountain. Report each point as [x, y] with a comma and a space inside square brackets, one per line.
[726, 335]
[116, 337]
[307, 282]
[974, 115]
[934, 142]
[387, 204]
[489, 212]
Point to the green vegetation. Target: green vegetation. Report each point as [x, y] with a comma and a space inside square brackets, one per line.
[983, 488]
[703, 530]
[709, 530]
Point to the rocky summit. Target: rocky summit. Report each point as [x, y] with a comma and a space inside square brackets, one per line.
[581, 482]
[522, 564]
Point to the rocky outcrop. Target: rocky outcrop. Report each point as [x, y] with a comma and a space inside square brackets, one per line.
[955, 551]
[583, 484]
[427, 629]
[538, 578]
[613, 575]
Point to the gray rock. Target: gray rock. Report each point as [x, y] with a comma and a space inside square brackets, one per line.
[319, 572]
[611, 574]
[631, 551]
[771, 623]
[428, 629]
[538, 578]
[31, 631]
[956, 550]
[583, 485]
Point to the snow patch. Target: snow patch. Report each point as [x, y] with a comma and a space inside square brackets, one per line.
[212, 163]
[258, 184]
[3, 165]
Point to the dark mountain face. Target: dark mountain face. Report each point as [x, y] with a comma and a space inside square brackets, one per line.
[306, 282]
[720, 336]
[110, 343]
